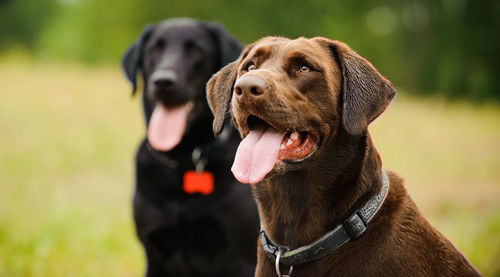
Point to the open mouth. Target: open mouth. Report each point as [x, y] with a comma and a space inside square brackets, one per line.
[264, 146]
[295, 146]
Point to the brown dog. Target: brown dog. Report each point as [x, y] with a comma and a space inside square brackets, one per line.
[303, 107]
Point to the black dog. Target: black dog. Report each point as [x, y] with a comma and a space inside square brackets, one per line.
[188, 228]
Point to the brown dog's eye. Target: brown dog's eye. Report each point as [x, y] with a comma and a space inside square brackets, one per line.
[250, 66]
[304, 69]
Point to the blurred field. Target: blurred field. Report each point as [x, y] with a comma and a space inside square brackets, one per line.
[67, 139]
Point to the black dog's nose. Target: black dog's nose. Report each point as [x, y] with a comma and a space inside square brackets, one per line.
[163, 83]
[164, 79]
[250, 85]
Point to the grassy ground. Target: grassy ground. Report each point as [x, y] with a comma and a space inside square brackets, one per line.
[67, 139]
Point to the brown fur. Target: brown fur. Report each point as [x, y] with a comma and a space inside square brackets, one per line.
[301, 201]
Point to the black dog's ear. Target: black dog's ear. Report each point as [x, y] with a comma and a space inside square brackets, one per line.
[229, 46]
[132, 59]
[366, 92]
[219, 92]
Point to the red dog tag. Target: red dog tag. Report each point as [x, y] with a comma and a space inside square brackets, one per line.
[202, 182]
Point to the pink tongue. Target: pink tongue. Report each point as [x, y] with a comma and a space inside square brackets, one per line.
[257, 155]
[166, 127]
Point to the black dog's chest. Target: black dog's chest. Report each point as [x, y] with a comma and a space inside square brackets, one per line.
[190, 232]
[187, 219]
[203, 235]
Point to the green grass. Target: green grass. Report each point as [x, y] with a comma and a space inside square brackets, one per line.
[67, 139]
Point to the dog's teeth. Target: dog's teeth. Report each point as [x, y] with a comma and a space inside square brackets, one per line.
[288, 142]
[282, 146]
[294, 136]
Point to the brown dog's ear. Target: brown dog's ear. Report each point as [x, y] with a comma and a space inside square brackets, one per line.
[219, 92]
[366, 92]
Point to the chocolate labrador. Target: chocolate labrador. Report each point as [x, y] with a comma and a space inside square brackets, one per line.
[327, 206]
[191, 215]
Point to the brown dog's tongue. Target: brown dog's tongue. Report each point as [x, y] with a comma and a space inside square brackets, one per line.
[256, 155]
[166, 127]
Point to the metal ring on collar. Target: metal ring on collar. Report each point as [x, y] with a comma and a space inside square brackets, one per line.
[199, 161]
[277, 265]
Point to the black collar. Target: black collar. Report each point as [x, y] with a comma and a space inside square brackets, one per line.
[353, 227]
[161, 158]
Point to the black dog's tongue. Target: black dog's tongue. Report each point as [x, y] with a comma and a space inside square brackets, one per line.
[166, 126]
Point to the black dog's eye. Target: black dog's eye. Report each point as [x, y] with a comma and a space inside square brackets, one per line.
[249, 66]
[305, 69]
[192, 48]
[158, 46]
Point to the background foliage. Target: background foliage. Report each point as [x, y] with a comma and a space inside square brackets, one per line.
[427, 46]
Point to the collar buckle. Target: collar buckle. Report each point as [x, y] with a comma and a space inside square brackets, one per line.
[355, 226]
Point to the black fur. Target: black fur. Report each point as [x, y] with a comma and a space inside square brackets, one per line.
[189, 234]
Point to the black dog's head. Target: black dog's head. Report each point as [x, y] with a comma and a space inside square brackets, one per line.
[176, 58]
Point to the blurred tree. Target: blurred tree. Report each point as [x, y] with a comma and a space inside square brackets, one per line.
[21, 21]
[445, 46]
[452, 46]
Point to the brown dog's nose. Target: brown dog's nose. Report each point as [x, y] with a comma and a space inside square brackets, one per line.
[250, 85]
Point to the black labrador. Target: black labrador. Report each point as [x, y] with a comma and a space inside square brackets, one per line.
[191, 215]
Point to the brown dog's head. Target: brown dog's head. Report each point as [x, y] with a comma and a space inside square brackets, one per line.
[289, 98]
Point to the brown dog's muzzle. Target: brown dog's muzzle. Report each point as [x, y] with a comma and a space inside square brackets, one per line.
[249, 87]
[262, 111]
[255, 93]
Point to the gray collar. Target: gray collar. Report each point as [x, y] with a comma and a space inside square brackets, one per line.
[353, 227]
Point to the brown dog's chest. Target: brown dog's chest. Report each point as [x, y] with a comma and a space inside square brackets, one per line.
[399, 241]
